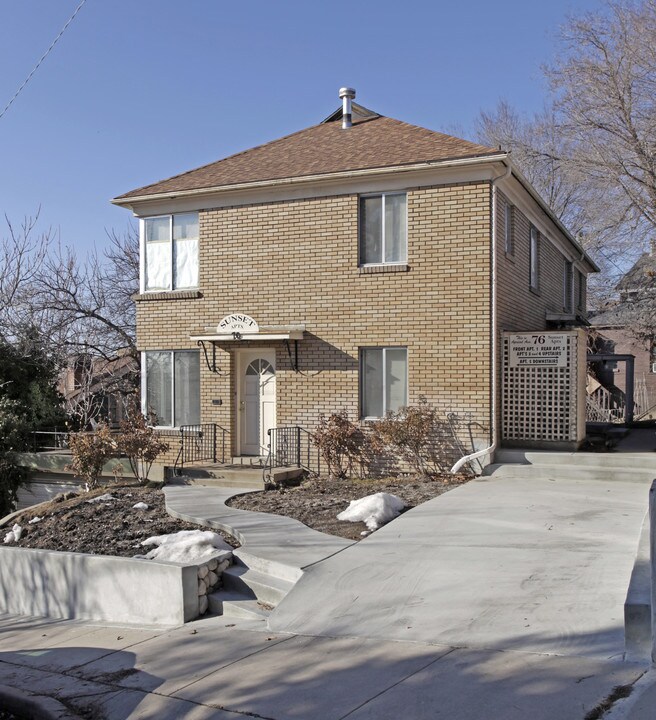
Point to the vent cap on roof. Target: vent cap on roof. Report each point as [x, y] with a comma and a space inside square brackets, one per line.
[347, 94]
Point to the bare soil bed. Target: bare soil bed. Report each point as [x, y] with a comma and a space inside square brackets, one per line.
[113, 527]
[317, 502]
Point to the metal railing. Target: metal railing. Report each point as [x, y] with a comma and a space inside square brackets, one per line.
[206, 442]
[53, 439]
[291, 446]
[604, 406]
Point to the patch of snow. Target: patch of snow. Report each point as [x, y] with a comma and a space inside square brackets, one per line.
[374, 510]
[140, 506]
[14, 535]
[35, 519]
[107, 497]
[186, 546]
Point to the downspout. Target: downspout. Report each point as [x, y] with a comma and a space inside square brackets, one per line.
[492, 447]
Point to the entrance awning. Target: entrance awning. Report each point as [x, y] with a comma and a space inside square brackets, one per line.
[264, 332]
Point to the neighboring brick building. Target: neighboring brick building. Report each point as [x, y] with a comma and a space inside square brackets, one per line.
[626, 326]
[363, 254]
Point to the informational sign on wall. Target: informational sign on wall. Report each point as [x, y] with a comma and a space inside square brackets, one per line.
[537, 350]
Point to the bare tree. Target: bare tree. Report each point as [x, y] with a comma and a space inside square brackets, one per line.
[86, 302]
[22, 253]
[605, 90]
[79, 308]
[591, 152]
[542, 153]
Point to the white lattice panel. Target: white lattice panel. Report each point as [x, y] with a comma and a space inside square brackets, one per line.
[540, 403]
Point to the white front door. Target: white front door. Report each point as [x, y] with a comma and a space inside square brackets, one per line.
[257, 406]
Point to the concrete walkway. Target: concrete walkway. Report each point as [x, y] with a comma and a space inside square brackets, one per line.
[532, 565]
[267, 541]
[500, 599]
[226, 671]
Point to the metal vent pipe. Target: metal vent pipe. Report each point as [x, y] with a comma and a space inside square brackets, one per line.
[347, 94]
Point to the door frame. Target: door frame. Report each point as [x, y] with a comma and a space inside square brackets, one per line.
[243, 357]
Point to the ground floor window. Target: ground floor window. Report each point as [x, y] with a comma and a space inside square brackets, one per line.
[383, 380]
[171, 386]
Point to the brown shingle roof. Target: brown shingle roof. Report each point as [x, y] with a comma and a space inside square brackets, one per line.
[372, 142]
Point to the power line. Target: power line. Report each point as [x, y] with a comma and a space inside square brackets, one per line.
[43, 57]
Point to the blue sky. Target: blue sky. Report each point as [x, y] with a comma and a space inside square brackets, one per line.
[138, 90]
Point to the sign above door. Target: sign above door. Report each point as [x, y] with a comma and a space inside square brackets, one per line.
[237, 323]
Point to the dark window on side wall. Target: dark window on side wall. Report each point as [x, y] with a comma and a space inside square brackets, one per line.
[534, 259]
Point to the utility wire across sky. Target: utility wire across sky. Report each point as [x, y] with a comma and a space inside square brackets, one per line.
[43, 57]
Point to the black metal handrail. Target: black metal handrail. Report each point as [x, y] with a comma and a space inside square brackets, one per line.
[290, 446]
[201, 443]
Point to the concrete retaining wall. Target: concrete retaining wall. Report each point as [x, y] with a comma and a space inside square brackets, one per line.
[652, 552]
[96, 587]
[637, 606]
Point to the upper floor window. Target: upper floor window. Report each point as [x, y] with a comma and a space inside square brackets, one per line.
[383, 229]
[508, 229]
[383, 380]
[568, 285]
[534, 258]
[170, 252]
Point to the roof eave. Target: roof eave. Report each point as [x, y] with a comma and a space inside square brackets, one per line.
[124, 201]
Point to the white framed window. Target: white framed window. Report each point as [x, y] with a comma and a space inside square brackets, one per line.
[509, 243]
[170, 386]
[383, 229]
[534, 258]
[383, 380]
[169, 252]
[568, 285]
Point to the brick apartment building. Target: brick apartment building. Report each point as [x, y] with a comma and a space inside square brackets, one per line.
[358, 265]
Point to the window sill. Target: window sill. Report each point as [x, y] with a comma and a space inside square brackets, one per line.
[168, 295]
[371, 269]
[510, 256]
[535, 291]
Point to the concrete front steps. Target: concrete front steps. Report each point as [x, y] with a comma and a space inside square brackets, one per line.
[273, 554]
[551, 465]
[248, 593]
[234, 475]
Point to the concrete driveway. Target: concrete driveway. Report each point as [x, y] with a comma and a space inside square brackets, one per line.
[507, 564]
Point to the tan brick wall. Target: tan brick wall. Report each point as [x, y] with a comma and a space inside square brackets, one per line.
[297, 262]
[520, 308]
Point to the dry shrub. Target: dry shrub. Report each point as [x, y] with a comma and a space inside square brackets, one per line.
[412, 432]
[90, 451]
[139, 442]
[343, 445]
